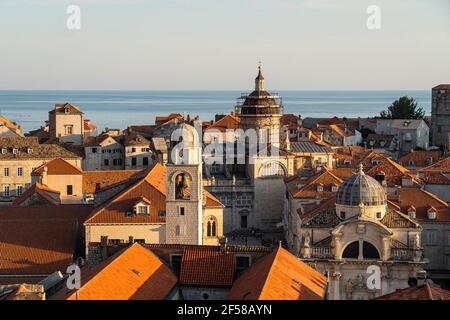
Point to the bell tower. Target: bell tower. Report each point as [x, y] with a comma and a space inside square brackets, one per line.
[261, 111]
[184, 196]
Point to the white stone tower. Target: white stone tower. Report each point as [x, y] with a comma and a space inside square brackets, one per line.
[184, 199]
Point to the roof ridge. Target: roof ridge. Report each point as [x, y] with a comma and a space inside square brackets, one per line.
[115, 198]
[275, 254]
[112, 258]
[435, 197]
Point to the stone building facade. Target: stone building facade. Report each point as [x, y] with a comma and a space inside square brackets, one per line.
[66, 122]
[19, 157]
[440, 114]
[349, 236]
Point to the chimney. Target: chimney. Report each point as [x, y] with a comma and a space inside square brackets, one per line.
[104, 246]
[421, 277]
[44, 176]
[223, 244]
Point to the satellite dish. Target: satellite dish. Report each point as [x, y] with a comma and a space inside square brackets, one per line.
[412, 282]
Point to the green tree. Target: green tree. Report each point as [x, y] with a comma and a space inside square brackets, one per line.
[403, 108]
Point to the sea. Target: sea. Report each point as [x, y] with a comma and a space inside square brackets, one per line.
[119, 109]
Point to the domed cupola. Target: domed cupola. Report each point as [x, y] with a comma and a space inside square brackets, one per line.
[361, 191]
[361, 188]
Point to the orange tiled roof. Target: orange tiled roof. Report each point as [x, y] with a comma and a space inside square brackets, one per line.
[310, 186]
[172, 116]
[442, 166]
[205, 266]
[394, 172]
[279, 276]
[152, 186]
[96, 180]
[134, 273]
[230, 121]
[212, 201]
[89, 125]
[57, 166]
[420, 158]
[422, 200]
[434, 177]
[289, 119]
[44, 193]
[428, 291]
[39, 240]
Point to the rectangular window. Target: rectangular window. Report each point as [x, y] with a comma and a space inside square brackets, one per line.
[162, 213]
[448, 237]
[431, 237]
[6, 193]
[133, 150]
[20, 172]
[69, 129]
[145, 161]
[133, 161]
[19, 190]
[106, 162]
[143, 210]
[6, 172]
[94, 150]
[69, 189]
[181, 211]
[179, 230]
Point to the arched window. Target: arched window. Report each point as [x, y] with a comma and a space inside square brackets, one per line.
[351, 251]
[369, 251]
[211, 227]
[182, 186]
[272, 169]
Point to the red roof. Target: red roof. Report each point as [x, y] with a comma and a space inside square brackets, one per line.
[96, 180]
[204, 266]
[212, 201]
[422, 200]
[57, 166]
[428, 291]
[44, 193]
[279, 276]
[230, 121]
[120, 208]
[134, 273]
[39, 240]
[420, 158]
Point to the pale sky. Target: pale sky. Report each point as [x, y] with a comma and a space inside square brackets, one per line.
[216, 45]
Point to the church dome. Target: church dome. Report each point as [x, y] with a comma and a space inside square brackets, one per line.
[361, 188]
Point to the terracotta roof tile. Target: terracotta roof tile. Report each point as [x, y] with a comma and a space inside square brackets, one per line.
[120, 208]
[49, 196]
[422, 200]
[96, 180]
[39, 240]
[212, 201]
[309, 188]
[279, 276]
[428, 291]
[205, 266]
[420, 158]
[29, 148]
[229, 121]
[57, 166]
[134, 273]
[441, 166]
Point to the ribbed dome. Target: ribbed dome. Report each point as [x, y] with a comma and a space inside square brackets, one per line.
[361, 188]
